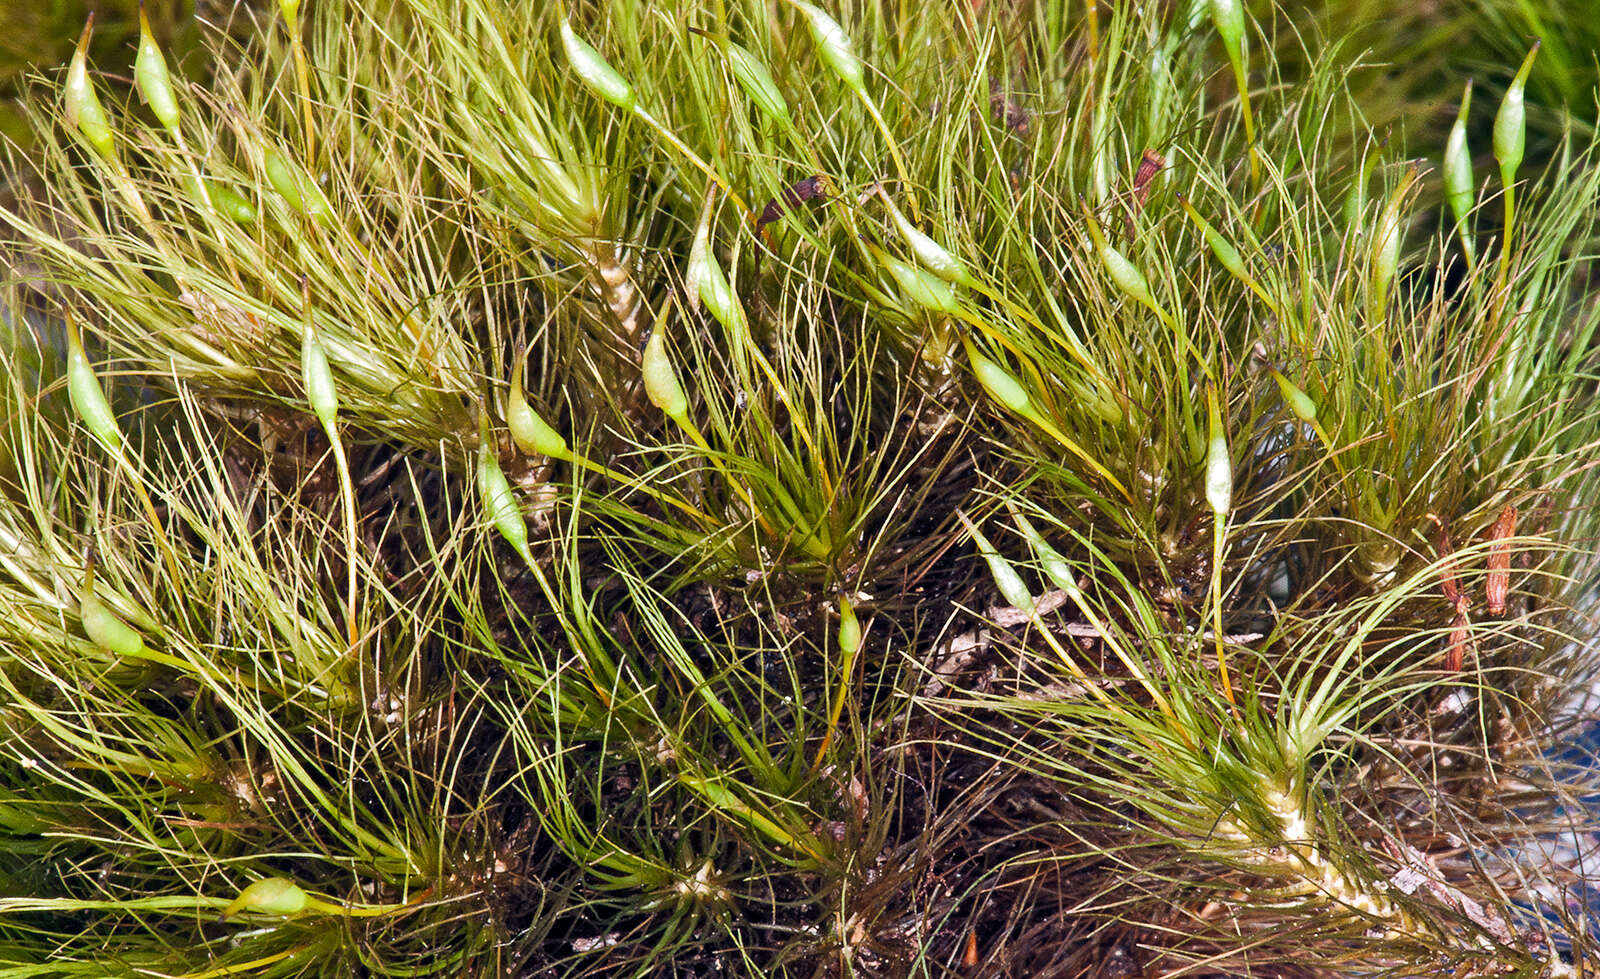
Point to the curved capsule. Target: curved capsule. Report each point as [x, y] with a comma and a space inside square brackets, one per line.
[83, 105]
[529, 430]
[500, 500]
[270, 895]
[104, 627]
[661, 384]
[1510, 122]
[596, 72]
[151, 78]
[833, 46]
[88, 399]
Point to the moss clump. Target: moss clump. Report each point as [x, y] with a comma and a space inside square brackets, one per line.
[764, 489]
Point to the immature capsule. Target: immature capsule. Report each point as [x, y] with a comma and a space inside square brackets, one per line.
[1510, 123]
[833, 46]
[318, 379]
[754, 78]
[923, 288]
[849, 628]
[296, 187]
[151, 78]
[1219, 467]
[270, 895]
[83, 105]
[596, 72]
[103, 626]
[499, 499]
[1298, 401]
[707, 282]
[1458, 163]
[1006, 579]
[661, 383]
[88, 399]
[228, 202]
[529, 430]
[999, 382]
[934, 256]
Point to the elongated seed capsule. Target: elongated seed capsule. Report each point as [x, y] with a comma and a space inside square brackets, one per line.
[1458, 189]
[934, 256]
[1228, 16]
[88, 398]
[318, 378]
[1124, 273]
[1054, 566]
[296, 186]
[529, 430]
[756, 81]
[270, 895]
[849, 628]
[833, 46]
[290, 9]
[83, 105]
[227, 201]
[921, 287]
[1298, 401]
[1386, 240]
[283, 180]
[1510, 123]
[151, 78]
[661, 383]
[595, 71]
[107, 631]
[102, 625]
[1220, 246]
[999, 382]
[499, 500]
[1219, 468]
[1006, 579]
[708, 284]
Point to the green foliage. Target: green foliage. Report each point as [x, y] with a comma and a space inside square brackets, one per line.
[636, 488]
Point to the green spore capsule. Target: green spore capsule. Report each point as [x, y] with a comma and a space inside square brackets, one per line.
[82, 103]
[499, 499]
[1510, 123]
[1458, 182]
[833, 46]
[270, 895]
[661, 383]
[1000, 383]
[227, 201]
[103, 626]
[317, 377]
[595, 71]
[296, 187]
[151, 78]
[1219, 467]
[88, 398]
[529, 430]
